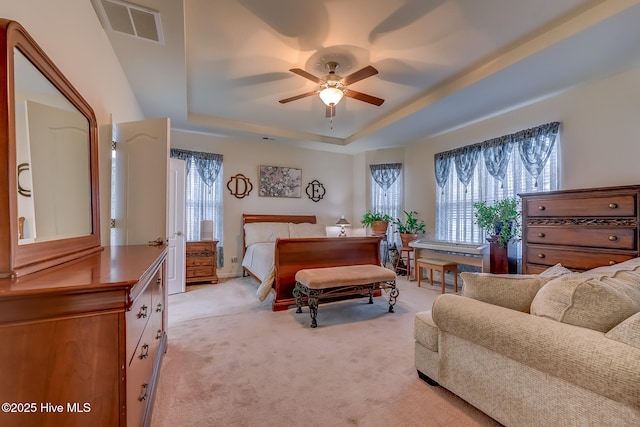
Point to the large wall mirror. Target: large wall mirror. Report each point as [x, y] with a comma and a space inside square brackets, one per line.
[49, 154]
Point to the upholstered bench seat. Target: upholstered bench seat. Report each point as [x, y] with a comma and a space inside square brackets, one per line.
[316, 283]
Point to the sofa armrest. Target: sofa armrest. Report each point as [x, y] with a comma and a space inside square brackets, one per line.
[578, 355]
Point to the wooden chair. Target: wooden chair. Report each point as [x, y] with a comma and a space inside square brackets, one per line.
[437, 264]
[407, 268]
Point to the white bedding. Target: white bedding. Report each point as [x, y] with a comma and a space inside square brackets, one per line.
[260, 239]
[259, 259]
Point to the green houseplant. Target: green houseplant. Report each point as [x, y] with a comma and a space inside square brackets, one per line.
[499, 219]
[377, 221]
[410, 227]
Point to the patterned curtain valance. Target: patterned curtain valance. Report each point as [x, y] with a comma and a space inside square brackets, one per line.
[207, 164]
[385, 174]
[535, 146]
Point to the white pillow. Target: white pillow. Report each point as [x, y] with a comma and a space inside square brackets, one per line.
[306, 229]
[264, 232]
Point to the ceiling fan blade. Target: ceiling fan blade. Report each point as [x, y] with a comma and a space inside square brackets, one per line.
[330, 111]
[363, 97]
[293, 98]
[303, 73]
[367, 71]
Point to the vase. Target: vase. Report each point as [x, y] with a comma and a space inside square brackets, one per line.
[379, 227]
[406, 238]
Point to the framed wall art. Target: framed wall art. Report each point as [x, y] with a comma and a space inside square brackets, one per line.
[277, 181]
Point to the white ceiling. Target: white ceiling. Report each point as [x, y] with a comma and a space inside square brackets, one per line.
[224, 64]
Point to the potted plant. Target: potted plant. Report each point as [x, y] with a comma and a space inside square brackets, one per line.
[377, 221]
[409, 228]
[500, 219]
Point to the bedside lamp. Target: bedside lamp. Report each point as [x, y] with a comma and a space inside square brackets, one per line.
[342, 222]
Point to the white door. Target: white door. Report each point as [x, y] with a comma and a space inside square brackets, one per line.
[176, 238]
[140, 182]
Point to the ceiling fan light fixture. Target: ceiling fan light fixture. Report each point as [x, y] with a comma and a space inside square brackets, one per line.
[331, 95]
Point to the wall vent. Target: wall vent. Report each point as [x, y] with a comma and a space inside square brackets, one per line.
[131, 19]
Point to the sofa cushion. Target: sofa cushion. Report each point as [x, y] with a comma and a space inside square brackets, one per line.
[627, 332]
[514, 291]
[598, 299]
[425, 331]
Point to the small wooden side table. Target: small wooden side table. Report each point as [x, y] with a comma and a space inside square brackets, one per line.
[201, 261]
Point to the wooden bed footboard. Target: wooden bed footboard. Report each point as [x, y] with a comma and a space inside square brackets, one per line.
[293, 255]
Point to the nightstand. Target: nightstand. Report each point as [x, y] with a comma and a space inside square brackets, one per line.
[201, 262]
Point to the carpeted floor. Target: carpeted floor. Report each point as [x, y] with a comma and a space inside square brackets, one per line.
[231, 361]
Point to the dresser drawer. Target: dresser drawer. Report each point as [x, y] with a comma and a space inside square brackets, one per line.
[200, 272]
[602, 237]
[136, 320]
[598, 206]
[198, 261]
[206, 247]
[573, 258]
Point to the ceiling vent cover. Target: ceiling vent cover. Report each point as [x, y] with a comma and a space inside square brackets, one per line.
[132, 19]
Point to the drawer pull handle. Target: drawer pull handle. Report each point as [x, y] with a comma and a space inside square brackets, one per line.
[145, 352]
[143, 312]
[541, 208]
[613, 205]
[540, 234]
[540, 255]
[144, 396]
[159, 334]
[613, 238]
[612, 262]
[159, 308]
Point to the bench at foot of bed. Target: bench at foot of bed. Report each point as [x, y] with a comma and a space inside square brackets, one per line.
[316, 283]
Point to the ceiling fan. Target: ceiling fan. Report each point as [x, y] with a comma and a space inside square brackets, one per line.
[333, 87]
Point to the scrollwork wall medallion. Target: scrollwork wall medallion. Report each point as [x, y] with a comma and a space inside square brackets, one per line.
[315, 190]
[21, 190]
[239, 186]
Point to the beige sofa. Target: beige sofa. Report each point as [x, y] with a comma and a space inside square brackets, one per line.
[555, 349]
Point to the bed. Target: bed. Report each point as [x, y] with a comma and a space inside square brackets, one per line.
[276, 247]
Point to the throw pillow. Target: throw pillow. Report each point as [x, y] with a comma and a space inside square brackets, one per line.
[514, 291]
[265, 232]
[627, 332]
[555, 271]
[594, 302]
[306, 229]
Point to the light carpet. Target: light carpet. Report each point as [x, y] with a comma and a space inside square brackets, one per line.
[231, 361]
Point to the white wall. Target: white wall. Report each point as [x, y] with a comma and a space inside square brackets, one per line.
[70, 33]
[334, 171]
[599, 143]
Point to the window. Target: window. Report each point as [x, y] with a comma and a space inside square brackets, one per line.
[386, 191]
[523, 162]
[203, 194]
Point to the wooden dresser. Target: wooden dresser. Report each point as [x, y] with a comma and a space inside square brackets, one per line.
[82, 343]
[202, 260]
[581, 229]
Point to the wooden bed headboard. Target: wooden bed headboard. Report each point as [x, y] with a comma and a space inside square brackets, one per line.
[249, 218]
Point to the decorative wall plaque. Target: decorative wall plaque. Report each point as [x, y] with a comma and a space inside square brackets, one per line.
[239, 186]
[315, 190]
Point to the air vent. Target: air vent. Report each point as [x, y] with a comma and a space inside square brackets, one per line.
[136, 21]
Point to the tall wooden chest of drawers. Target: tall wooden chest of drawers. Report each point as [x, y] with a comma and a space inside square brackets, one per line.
[201, 261]
[581, 229]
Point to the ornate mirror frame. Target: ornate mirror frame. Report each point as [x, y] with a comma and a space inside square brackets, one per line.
[17, 260]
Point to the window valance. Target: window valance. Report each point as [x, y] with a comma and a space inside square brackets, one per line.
[534, 146]
[207, 164]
